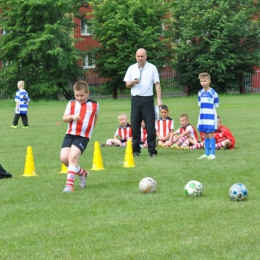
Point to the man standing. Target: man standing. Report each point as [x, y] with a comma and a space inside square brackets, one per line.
[140, 78]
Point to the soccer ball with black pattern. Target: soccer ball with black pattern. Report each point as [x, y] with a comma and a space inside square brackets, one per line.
[193, 189]
[238, 192]
[147, 185]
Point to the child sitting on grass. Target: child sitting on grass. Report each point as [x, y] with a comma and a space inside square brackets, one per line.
[223, 137]
[164, 126]
[122, 134]
[185, 132]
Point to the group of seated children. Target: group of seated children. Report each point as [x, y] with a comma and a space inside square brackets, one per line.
[185, 138]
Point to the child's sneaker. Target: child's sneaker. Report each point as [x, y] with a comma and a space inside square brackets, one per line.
[175, 147]
[160, 145]
[211, 157]
[82, 179]
[204, 156]
[68, 189]
[25, 126]
[14, 126]
[185, 148]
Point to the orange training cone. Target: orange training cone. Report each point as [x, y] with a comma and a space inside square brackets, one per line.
[29, 168]
[97, 163]
[64, 169]
[129, 157]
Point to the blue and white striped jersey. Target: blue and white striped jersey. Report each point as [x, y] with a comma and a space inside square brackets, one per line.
[23, 98]
[207, 101]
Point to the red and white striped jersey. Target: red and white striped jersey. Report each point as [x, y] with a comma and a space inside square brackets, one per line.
[193, 132]
[87, 112]
[164, 127]
[143, 138]
[124, 132]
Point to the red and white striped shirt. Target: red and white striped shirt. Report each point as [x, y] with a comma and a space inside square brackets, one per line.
[124, 132]
[164, 127]
[193, 132]
[87, 113]
[143, 138]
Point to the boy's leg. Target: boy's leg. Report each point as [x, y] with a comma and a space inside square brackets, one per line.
[16, 119]
[73, 159]
[24, 119]
[83, 174]
[78, 146]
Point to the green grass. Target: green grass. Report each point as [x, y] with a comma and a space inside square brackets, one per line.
[110, 219]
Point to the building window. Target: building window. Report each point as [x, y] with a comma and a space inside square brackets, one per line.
[88, 62]
[85, 27]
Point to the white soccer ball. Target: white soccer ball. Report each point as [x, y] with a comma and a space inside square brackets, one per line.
[147, 185]
[193, 189]
[238, 192]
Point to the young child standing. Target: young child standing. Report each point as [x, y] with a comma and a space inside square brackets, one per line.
[22, 102]
[81, 115]
[164, 127]
[122, 134]
[207, 123]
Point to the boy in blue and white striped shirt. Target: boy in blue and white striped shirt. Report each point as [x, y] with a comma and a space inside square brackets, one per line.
[22, 102]
[207, 122]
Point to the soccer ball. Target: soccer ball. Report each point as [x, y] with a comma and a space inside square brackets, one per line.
[147, 185]
[193, 189]
[238, 192]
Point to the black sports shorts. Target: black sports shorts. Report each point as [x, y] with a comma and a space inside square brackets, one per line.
[78, 141]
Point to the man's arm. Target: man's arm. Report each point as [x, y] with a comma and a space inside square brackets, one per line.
[130, 84]
[159, 93]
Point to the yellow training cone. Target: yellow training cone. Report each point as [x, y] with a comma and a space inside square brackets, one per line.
[29, 168]
[64, 169]
[97, 163]
[129, 157]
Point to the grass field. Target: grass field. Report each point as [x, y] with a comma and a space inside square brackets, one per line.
[110, 219]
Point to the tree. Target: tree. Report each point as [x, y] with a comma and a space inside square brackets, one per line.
[123, 26]
[218, 37]
[37, 47]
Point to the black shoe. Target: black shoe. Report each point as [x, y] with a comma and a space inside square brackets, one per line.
[152, 154]
[4, 174]
[136, 154]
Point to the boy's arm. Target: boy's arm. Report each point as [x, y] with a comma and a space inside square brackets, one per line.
[95, 121]
[69, 118]
[168, 136]
[17, 106]
[158, 135]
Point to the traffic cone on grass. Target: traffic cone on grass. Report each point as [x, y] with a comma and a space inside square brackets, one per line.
[29, 168]
[129, 157]
[97, 163]
[64, 169]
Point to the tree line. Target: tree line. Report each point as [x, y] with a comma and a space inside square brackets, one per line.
[214, 36]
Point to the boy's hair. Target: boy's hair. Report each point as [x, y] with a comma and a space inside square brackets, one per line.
[81, 85]
[204, 75]
[164, 107]
[20, 84]
[184, 115]
[122, 115]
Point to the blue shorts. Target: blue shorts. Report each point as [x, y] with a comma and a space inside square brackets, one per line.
[206, 131]
[78, 141]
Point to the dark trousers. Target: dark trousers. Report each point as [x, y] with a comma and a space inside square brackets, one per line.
[24, 119]
[142, 108]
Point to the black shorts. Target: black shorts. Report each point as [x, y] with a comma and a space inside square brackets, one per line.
[78, 141]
